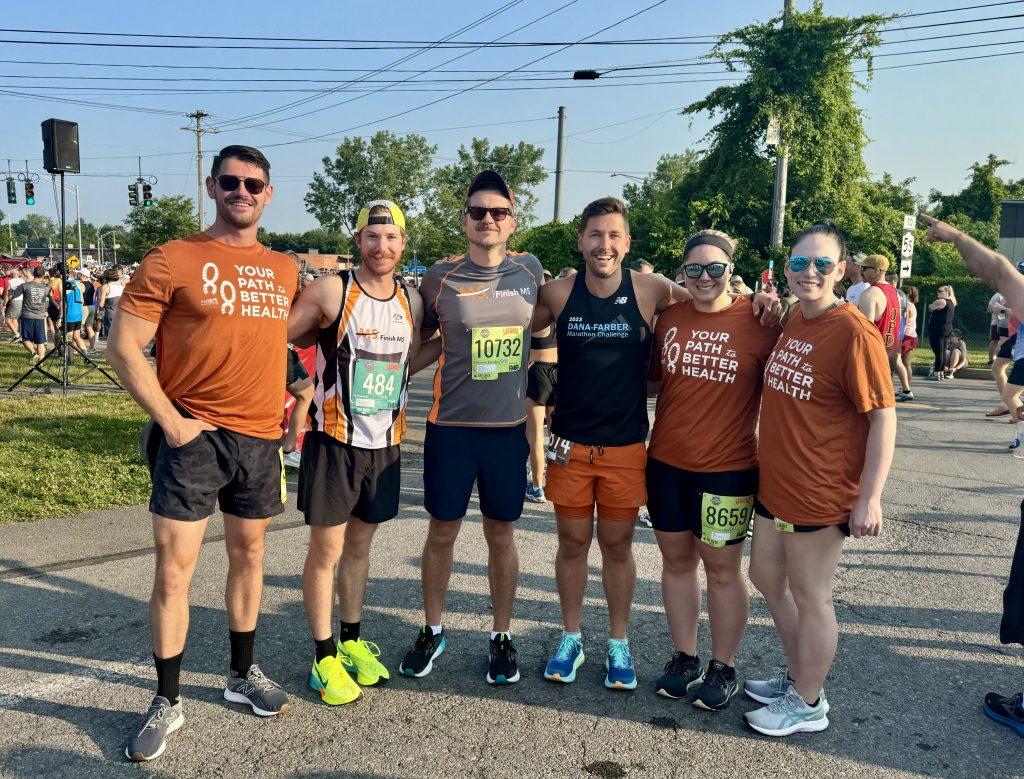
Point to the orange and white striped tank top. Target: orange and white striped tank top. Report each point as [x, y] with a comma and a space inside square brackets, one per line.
[360, 383]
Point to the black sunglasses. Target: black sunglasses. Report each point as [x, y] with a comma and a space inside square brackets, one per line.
[476, 213]
[715, 270]
[230, 183]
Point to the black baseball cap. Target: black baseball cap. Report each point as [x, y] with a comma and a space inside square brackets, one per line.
[490, 179]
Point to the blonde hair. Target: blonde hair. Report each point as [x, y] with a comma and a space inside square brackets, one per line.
[949, 292]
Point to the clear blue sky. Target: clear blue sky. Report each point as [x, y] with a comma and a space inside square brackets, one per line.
[930, 122]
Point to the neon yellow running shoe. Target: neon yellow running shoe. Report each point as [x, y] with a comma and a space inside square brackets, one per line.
[360, 658]
[331, 680]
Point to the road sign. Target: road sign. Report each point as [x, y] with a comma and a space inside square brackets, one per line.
[907, 246]
[73, 262]
[909, 221]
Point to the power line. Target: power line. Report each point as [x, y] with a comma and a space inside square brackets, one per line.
[961, 8]
[950, 35]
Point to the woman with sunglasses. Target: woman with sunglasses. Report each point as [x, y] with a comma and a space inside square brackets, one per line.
[702, 464]
[828, 430]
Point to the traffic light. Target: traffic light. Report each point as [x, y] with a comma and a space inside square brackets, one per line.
[147, 194]
[12, 191]
[30, 193]
[133, 195]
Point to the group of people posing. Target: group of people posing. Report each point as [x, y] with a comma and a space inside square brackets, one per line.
[222, 308]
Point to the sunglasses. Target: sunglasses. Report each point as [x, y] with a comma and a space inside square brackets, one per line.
[824, 265]
[715, 270]
[230, 183]
[476, 213]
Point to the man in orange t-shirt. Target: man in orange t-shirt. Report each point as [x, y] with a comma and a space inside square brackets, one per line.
[217, 303]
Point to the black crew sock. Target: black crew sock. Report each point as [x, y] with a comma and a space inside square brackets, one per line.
[325, 648]
[241, 650]
[816, 701]
[349, 632]
[168, 676]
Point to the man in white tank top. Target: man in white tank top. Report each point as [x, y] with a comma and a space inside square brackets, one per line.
[365, 325]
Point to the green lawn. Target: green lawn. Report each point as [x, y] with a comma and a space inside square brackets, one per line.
[977, 351]
[63, 456]
[14, 361]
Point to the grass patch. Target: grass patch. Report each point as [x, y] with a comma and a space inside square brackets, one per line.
[14, 361]
[63, 456]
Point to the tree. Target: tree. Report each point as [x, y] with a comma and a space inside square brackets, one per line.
[325, 241]
[655, 237]
[167, 219]
[802, 75]
[554, 244]
[436, 232]
[976, 209]
[35, 229]
[387, 167]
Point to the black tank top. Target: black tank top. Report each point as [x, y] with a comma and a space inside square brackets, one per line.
[543, 341]
[89, 294]
[604, 346]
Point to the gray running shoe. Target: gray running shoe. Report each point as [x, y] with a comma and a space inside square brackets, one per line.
[162, 719]
[768, 690]
[266, 697]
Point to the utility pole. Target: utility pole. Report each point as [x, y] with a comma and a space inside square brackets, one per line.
[560, 155]
[10, 230]
[198, 115]
[781, 162]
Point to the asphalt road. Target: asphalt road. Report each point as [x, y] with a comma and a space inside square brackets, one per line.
[918, 612]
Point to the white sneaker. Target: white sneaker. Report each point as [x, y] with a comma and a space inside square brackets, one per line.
[292, 460]
[787, 715]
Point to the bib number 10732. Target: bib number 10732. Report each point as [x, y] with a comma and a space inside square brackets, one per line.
[495, 350]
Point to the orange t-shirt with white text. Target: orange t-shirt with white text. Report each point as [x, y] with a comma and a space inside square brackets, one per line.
[710, 366]
[821, 380]
[222, 328]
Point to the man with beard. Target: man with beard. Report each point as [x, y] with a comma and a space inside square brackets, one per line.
[482, 302]
[597, 456]
[365, 325]
[217, 303]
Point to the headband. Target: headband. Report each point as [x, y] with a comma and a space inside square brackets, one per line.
[709, 240]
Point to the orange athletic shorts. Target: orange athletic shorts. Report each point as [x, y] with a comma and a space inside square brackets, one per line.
[612, 478]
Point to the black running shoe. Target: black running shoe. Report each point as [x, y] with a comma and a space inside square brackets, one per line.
[682, 673]
[501, 661]
[718, 687]
[1008, 711]
[420, 659]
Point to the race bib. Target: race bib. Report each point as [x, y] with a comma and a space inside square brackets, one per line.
[784, 527]
[724, 518]
[559, 450]
[377, 386]
[496, 350]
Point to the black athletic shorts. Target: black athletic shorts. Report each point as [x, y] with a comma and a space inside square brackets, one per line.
[997, 332]
[245, 475]
[541, 381]
[789, 527]
[715, 507]
[72, 326]
[1006, 350]
[455, 457]
[338, 481]
[296, 370]
[1017, 373]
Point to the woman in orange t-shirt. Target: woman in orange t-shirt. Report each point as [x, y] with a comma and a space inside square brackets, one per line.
[828, 431]
[702, 464]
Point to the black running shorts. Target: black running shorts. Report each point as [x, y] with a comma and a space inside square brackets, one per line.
[1006, 350]
[715, 507]
[245, 475]
[789, 527]
[1016, 376]
[338, 481]
[541, 381]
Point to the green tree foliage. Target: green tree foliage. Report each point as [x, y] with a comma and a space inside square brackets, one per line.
[554, 244]
[321, 239]
[386, 166]
[804, 75]
[656, 237]
[167, 219]
[35, 230]
[436, 232]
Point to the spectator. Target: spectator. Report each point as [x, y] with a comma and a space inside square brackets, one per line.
[566, 272]
[643, 266]
[738, 286]
[999, 330]
[88, 310]
[855, 274]
[34, 297]
[940, 326]
[109, 297]
[12, 303]
[881, 304]
[956, 354]
[909, 341]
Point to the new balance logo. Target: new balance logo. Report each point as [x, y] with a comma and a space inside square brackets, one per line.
[621, 301]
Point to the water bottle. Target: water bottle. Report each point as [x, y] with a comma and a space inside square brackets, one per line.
[1019, 451]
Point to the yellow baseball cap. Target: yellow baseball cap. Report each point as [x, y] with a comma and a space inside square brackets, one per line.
[396, 216]
[878, 261]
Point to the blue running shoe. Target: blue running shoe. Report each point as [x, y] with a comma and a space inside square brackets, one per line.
[1014, 444]
[621, 675]
[535, 494]
[566, 659]
[1008, 711]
